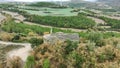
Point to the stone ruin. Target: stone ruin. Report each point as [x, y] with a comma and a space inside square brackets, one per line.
[62, 37]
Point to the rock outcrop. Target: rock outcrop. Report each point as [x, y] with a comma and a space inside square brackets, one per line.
[55, 37]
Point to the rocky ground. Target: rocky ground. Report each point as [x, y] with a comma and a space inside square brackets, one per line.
[15, 49]
[4, 49]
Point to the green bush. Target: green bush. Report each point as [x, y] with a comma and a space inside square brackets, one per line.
[35, 41]
[97, 38]
[79, 59]
[103, 57]
[62, 65]
[30, 62]
[91, 46]
[70, 46]
[46, 63]
[16, 37]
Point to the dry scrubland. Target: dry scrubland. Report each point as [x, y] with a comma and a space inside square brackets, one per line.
[96, 48]
[85, 54]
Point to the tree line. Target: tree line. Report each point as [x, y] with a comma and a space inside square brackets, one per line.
[79, 22]
[114, 23]
[43, 4]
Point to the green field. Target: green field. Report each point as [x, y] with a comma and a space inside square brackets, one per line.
[44, 11]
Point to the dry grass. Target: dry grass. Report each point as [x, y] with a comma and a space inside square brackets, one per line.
[14, 62]
[107, 56]
[6, 36]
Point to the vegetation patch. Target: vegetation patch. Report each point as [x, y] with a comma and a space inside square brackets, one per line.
[43, 4]
[112, 22]
[79, 22]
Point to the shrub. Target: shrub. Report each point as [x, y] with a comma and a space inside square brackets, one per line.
[30, 62]
[79, 59]
[46, 63]
[106, 53]
[96, 38]
[16, 37]
[14, 62]
[102, 58]
[90, 46]
[62, 65]
[108, 56]
[70, 46]
[6, 36]
[35, 41]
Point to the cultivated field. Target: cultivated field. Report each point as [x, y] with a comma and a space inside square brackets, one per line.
[45, 11]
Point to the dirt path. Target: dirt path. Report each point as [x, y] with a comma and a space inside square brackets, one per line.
[2, 18]
[22, 52]
[112, 17]
[15, 15]
[72, 29]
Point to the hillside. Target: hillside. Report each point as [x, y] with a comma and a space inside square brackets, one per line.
[113, 3]
[76, 34]
[88, 5]
[43, 4]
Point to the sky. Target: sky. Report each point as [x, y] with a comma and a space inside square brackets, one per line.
[47, 0]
